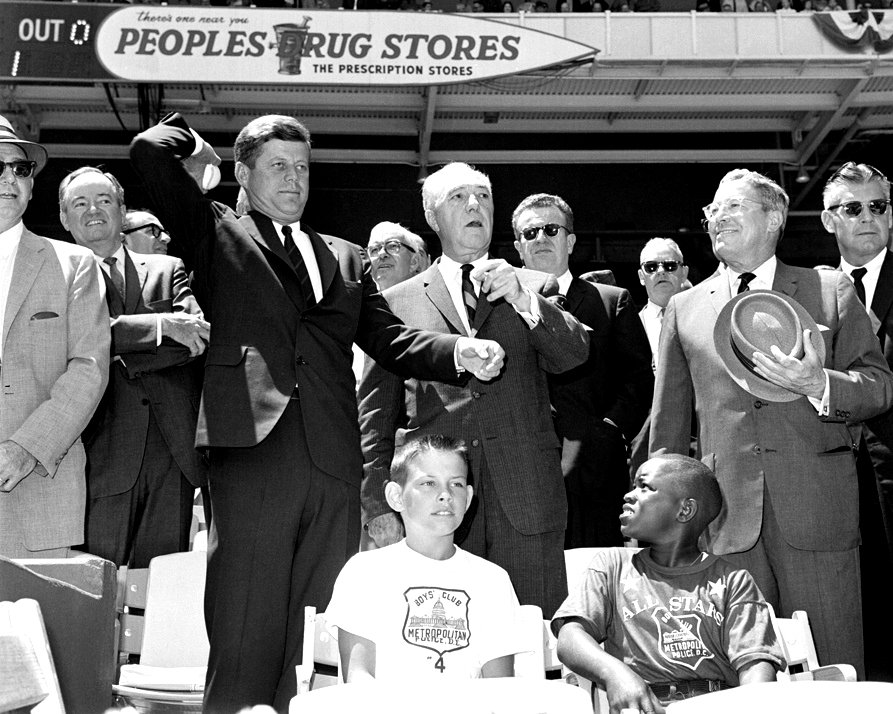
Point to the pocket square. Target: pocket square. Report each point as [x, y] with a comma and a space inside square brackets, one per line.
[43, 315]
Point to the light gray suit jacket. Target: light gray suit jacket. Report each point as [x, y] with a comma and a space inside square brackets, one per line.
[55, 367]
[507, 420]
[805, 462]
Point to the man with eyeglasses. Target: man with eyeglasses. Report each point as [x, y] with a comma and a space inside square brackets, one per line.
[55, 357]
[857, 212]
[600, 405]
[395, 253]
[518, 516]
[142, 467]
[143, 233]
[786, 468]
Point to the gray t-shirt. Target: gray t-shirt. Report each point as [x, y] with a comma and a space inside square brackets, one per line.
[702, 621]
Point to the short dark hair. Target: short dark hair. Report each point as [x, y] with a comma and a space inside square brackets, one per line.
[411, 450]
[116, 185]
[544, 200]
[259, 131]
[851, 172]
[694, 479]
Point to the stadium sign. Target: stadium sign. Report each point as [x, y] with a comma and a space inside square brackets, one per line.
[183, 43]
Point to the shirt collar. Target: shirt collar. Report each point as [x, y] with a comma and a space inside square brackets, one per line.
[564, 282]
[9, 239]
[765, 275]
[295, 229]
[873, 266]
[652, 308]
[449, 268]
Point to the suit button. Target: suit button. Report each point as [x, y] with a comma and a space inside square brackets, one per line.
[757, 449]
[144, 402]
[475, 442]
[757, 404]
[476, 395]
[300, 361]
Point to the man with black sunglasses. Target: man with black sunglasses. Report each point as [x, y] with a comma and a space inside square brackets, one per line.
[143, 233]
[858, 214]
[55, 358]
[600, 405]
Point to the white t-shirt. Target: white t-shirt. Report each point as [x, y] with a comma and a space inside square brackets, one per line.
[427, 617]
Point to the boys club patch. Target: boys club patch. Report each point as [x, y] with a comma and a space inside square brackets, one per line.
[679, 639]
[437, 620]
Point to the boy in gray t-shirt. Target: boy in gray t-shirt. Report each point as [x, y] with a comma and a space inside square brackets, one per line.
[675, 622]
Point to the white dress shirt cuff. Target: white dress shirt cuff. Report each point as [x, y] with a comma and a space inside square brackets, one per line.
[822, 406]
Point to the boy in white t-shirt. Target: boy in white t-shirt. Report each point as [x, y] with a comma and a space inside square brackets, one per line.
[424, 607]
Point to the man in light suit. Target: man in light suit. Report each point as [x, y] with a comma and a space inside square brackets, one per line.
[786, 468]
[857, 212]
[278, 411]
[518, 516]
[600, 405]
[142, 466]
[55, 352]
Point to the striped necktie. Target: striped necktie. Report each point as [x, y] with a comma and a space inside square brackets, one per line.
[468, 295]
[115, 275]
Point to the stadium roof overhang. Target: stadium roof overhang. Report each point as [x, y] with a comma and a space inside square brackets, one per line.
[667, 88]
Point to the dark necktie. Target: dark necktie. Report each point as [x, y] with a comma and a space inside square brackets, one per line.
[857, 276]
[745, 282]
[297, 261]
[115, 275]
[468, 295]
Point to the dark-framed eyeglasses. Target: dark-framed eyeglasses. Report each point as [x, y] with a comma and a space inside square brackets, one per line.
[20, 168]
[391, 247]
[670, 266]
[550, 229]
[853, 209]
[153, 228]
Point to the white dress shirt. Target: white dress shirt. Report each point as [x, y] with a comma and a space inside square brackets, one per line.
[452, 276]
[870, 279]
[302, 240]
[9, 248]
[652, 320]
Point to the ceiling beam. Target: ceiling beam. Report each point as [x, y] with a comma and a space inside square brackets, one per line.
[825, 124]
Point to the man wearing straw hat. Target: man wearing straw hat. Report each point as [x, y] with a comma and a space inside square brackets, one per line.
[54, 351]
[775, 360]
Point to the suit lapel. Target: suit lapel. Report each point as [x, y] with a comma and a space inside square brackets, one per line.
[883, 293]
[28, 261]
[135, 273]
[574, 297]
[262, 231]
[785, 280]
[720, 293]
[439, 295]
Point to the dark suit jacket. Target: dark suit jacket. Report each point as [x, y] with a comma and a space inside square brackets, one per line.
[145, 377]
[506, 420]
[616, 381]
[879, 432]
[806, 462]
[265, 341]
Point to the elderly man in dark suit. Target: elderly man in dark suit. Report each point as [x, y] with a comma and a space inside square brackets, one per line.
[519, 515]
[278, 410]
[54, 345]
[857, 212]
[786, 466]
[600, 405]
[142, 466]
